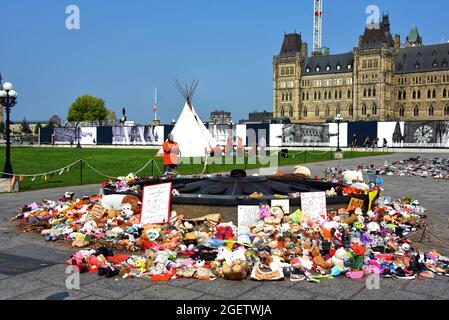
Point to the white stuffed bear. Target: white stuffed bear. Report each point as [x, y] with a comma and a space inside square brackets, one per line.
[351, 177]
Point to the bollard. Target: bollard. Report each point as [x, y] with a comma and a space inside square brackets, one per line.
[81, 171]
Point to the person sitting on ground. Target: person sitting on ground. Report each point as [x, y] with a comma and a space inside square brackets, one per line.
[171, 155]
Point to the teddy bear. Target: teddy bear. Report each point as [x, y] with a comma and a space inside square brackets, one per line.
[237, 271]
[277, 214]
[339, 258]
[319, 260]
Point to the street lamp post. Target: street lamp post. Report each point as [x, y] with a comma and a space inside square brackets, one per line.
[8, 99]
[78, 135]
[338, 119]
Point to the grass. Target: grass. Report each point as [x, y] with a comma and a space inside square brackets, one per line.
[119, 162]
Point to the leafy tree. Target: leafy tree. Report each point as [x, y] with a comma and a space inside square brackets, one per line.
[87, 108]
[37, 127]
[25, 127]
[111, 117]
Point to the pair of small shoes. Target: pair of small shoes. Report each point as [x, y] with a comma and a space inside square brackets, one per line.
[404, 274]
[297, 275]
[108, 272]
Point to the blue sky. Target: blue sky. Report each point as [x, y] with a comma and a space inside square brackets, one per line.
[125, 49]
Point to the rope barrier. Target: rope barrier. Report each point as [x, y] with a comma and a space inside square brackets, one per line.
[60, 170]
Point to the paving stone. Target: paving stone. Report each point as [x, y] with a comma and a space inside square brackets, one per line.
[211, 297]
[164, 292]
[16, 286]
[52, 293]
[228, 289]
[117, 288]
[52, 254]
[95, 298]
[271, 291]
[338, 287]
[58, 274]
[437, 287]
[390, 295]
[181, 282]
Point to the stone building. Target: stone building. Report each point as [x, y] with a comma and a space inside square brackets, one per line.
[380, 79]
[220, 117]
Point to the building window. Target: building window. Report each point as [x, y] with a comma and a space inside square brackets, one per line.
[434, 94]
[417, 66]
[292, 70]
[349, 94]
[308, 70]
[307, 96]
[282, 112]
[338, 110]
[374, 91]
[325, 95]
[304, 112]
[290, 112]
[364, 92]
[416, 111]
[318, 69]
[319, 95]
[401, 112]
[369, 92]
[282, 71]
[414, 95]
[428, 94]
[446, 110]
[340, 94]
[338, 67]
[328, 111]
[364, 110]
[431, 111]
[399, 95]
[303, 96]
[317, 112]
[374, 109]
[419, 94]
[444, 93]
[351, 111]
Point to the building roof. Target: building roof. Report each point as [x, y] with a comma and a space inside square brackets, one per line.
[423, 59]
[337, 63]
[291, 45]
[377, 35]
[413, 36]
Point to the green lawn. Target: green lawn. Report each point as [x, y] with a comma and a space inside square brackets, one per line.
[117, 162]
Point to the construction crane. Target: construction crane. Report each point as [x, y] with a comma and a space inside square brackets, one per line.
[318, 25]
[318, 48]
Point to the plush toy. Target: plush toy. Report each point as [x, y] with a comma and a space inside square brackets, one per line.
[303, 171]
[351, 177]
[277, 214]
[339, 258]
[237, 271]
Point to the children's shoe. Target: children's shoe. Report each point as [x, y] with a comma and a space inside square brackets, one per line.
[401, 274]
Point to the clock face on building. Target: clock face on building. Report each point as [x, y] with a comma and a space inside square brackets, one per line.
[423, 134]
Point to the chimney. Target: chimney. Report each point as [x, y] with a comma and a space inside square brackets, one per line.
[304, 50]
[361, 41]
[397, 43]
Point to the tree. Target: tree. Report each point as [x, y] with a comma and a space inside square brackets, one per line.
[37, 127]
[87, 108]
[111, 117]
[25, 127]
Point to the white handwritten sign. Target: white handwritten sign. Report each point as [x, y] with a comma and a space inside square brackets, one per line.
[156, 200]
[313, 204]
[248, 215]
[283, 203]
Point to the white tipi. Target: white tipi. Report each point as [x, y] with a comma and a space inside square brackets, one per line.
[190, 132]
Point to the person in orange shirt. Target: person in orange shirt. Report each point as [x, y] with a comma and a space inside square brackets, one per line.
[171, 154]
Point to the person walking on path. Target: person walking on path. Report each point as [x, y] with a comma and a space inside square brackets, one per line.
[366, 144]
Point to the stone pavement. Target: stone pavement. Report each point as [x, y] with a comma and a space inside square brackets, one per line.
[33, 269]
